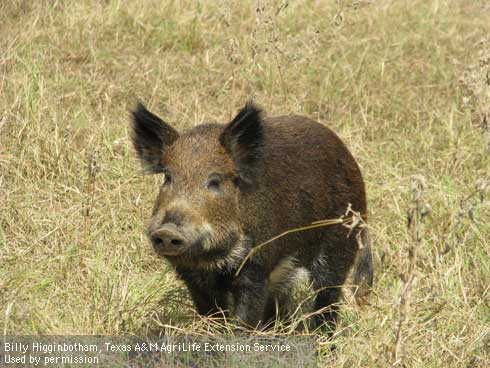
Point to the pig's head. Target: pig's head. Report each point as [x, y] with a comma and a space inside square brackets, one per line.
[203, 171]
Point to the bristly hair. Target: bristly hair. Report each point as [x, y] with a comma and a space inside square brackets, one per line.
[242, 138]
[150, 136]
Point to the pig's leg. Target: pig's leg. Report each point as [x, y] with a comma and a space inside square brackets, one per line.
[279, 300]
[327, 283]
[250, 295]
[209, 293]
[277, 307]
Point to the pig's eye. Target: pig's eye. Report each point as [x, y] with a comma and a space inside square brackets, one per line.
[214, 183]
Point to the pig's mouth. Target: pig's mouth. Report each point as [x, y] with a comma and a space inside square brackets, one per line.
[170, 252]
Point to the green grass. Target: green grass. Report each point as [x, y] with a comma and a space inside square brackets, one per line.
[399, 81]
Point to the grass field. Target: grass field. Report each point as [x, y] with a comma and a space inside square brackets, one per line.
[404, 83]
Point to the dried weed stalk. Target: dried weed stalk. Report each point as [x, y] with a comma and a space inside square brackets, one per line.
[93, 168]
[266, 37]
[415, 215]
[476, 85]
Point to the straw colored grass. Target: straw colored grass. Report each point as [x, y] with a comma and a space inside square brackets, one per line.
[402, 82]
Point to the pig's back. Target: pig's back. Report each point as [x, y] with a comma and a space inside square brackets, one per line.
[307, 174]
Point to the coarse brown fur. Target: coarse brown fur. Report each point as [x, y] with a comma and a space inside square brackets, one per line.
[230, 187]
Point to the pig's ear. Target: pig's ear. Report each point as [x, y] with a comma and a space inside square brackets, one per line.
[150, 135]
[242, 139]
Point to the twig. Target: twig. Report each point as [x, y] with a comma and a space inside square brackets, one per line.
[313, 225]
[92, 170]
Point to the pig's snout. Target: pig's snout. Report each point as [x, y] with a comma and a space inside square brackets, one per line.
[169, 240]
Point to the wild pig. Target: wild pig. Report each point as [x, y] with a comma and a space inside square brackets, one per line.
[227, 188]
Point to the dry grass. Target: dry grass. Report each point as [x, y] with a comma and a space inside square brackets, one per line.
[400, 81]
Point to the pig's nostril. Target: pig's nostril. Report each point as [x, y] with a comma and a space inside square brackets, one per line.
[157, 241]
[176, 242]
[169, 240]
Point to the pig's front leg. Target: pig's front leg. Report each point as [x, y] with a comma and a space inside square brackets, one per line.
[250, 295]
[207, 290]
